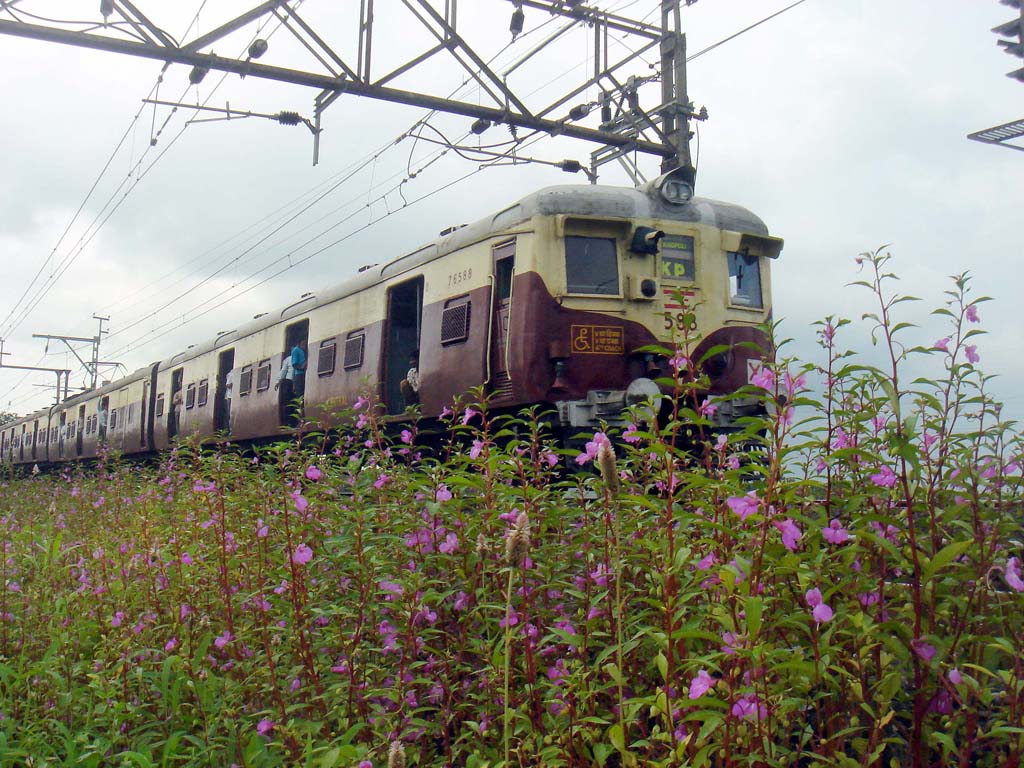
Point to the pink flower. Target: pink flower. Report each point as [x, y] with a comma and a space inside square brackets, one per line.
[822, 613]
[749, 707]
[361, 402]
[835, 533]
[406, 437]
[468, 415]
[791, 533]
[301, 504]
[813, 597]
[707, 409]
[393, 589]
[630, 434]
[118, 619]
[313, 473]
[222, 640]
[381, 481]
[593, 447]
[1012, 574]
[679, 362]
[942, 345]
[793, 384]
[264, 727]
[955, 677]
[365, 764]
[701, 684]
[186, 558]
[442, 493]
[972, 314]
[763, 378]
[302, 555]
[884, 478]
[972, 353]
[262, 530]
[707, 561]
[476, 450]
[744, 506]
[924, 651]
[171, 644]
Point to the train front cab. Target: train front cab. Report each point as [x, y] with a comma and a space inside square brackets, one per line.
[618, 285]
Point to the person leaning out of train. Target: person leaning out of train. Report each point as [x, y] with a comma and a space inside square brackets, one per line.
[229, 390]
[101, 422]
[298, 358]
[410, 386]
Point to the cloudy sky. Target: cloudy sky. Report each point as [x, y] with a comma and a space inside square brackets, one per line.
[842, 123]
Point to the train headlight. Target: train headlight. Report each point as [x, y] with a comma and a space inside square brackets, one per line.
[675, 187]
[677, 191]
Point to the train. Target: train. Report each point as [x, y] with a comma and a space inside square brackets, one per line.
[557, 299]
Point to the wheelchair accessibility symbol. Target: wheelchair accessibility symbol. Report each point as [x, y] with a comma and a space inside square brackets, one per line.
[598, 340]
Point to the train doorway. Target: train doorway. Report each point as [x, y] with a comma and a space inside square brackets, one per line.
[62, 433]
[21, 444]
[500, 382]
[80, 430]
[296, 348]
[405, 316]
[35, 437]
[225, 391]
[174, 412]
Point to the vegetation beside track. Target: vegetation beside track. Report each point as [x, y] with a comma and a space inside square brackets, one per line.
[849, 593]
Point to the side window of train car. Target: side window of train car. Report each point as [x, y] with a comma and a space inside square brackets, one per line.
[204, 392]
[354, 344]
[113, 419]
[455, 320]
[245, 381]
[744, 280]
[263, 376]
[190, 396]
[160, 405]
[677, 262]
[131, 412]
[326, 358]
[591, 265]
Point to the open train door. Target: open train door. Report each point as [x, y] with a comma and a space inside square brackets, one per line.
[405, 317]
[499, 380]
[80, 430]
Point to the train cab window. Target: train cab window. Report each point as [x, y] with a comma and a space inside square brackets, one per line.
[744, 280]
[263, 375]
[325, 359]
[204, 392]
[245, 381]
[160, 405]
[677, 262]
[354, 350]
[591, 265]
[190, 396]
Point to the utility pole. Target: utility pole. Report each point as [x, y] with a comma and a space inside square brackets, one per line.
[61, 372]
[92, 367]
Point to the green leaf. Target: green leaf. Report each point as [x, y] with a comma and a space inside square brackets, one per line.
[753, 607]
[944, 557]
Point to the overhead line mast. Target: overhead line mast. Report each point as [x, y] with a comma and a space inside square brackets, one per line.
[662, 132]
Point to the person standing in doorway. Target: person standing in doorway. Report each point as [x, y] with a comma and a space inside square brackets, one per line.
[410, 385]
[229, 390]
[299, 368]
[285, 391]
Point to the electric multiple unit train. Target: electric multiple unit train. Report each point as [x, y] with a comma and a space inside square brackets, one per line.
[552, 300]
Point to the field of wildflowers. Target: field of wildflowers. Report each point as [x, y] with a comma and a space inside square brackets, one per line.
[838, 584]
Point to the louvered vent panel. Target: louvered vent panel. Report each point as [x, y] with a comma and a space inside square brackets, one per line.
[354, 351]
[455, 323]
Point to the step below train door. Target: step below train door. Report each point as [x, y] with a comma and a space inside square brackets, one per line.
[405, 316]
[499, 378]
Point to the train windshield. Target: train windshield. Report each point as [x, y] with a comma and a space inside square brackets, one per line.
[591, 265]
[744, 280]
